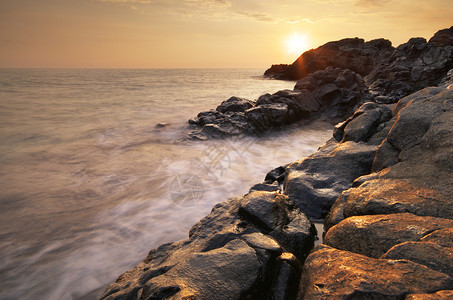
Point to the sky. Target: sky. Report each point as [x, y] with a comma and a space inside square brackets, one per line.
[199, 33]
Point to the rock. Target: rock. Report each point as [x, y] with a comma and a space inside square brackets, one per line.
[332, 93]
[374, 235]
[386, 196]
[266, 116]
[433, 256]
[234, 104]
[363, 124]
[330, 273]
[314, 183]
[275, 215]
[442, 237]
[414, 65]
[232, 270]
[447, 294]
[287, 278]
[352, 53]
[413, 162]
[247, 247]
[277, 174]
[275, 187]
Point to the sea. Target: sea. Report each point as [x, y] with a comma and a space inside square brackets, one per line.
[94, 170]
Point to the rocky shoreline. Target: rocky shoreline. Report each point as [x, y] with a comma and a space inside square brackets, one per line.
[382, 185]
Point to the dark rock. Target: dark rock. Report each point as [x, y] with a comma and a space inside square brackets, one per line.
[232, 271]
[332, 93]
[353, 53]
[277, 174]
[212, 130]
[443, 37]
[266, 116]
[274, 187]
[275, 215]
[314, 183]
[363, 124]
[330, 273]
[414, 65]
[287, 278]
[374, 235]
[234, 104]
[234, 252]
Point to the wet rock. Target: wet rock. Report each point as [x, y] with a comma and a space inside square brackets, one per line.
[330, 273]
[275, 215]
[232, 271]
[374, 235]
[332, 93]
[314, 183]
[274, 187]
[352, 53]
[234, 252]
[234, 104]
[277, 174]
[266, 116]
[363, 124]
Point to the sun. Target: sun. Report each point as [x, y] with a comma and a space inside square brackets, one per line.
[297, 44]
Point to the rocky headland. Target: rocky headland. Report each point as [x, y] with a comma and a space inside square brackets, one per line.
[382, 184]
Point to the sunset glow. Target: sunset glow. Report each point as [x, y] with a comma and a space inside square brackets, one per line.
[199, 33]
[297, 44]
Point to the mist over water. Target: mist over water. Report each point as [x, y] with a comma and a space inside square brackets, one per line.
[88, 184]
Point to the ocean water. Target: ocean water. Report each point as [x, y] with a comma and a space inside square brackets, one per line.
[89, 184]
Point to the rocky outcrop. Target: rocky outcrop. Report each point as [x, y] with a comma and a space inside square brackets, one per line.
[413, 66]
[399, 216]
[330, 273]
[383, 184]
[247, 247]
[391, 73]
[352, 53]
[333, 93]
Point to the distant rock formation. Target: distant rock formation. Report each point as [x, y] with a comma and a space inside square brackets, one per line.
[413, 66]
[332, 93]
[331, 84]
[352, 53]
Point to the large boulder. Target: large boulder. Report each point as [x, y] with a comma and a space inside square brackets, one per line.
[330, 273]
[374, 235]
[351, 53]
[314, 183]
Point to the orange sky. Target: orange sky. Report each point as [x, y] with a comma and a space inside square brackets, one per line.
[198, 33]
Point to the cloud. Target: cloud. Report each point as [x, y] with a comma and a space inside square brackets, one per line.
[298, 20]
[128, 1]
[208, 3]
[258, 16]
[371, 3]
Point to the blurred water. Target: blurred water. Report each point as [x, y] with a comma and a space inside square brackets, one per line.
[87, 183]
